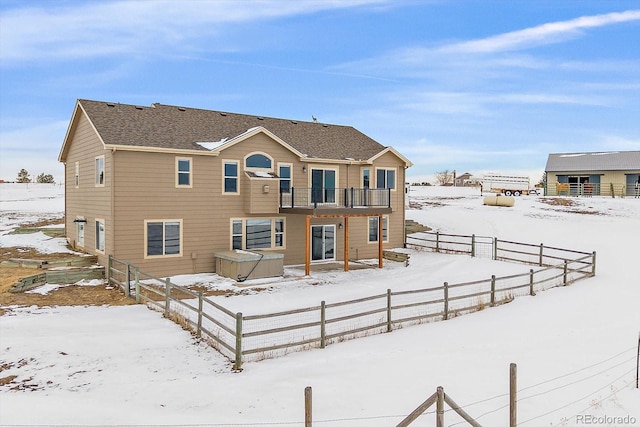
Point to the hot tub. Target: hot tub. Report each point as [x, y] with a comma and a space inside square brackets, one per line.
[242, 265]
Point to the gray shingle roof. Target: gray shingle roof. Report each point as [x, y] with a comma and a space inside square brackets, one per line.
[172, 127]
[600, 161]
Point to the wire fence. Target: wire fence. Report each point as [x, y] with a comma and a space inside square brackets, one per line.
[250, 337]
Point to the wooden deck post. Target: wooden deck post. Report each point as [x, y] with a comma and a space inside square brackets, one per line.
[307, 247]
[308, 413]
[440, 407]
[513, 395]
[346, 243]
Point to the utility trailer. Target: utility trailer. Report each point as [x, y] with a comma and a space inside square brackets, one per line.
[507, 185]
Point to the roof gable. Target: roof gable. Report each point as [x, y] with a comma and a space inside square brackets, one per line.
[168, 127]
[596, 161]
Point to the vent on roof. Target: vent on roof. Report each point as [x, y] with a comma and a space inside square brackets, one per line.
[182, 109]
[294, 122]
[260, 118]
[110, 104]
[223, 114]
[139, 107]
[325, 126]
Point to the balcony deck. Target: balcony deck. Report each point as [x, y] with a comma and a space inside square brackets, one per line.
[336, 201]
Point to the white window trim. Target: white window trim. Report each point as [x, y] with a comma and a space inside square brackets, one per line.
[362, 176]
[163, 221]
[178, 172]
[237, 163]
[384, 218]
[244, 162]
[76, 175]
[290, 177]
[104, 171]
[273, 220]
[395, 184]
[104, 237]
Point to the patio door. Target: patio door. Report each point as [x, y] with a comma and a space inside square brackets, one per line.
[323, 185]
[323, 242]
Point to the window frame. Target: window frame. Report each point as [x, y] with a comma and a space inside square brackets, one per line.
[274, 237]
[289, 179]
[365, 172]
[225, 177]
[386, 178]
[100, 170]
[164, 223]
[385, 229]
[98, 222]
[258, 168]
[188, 173]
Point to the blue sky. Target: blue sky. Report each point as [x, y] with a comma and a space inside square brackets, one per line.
[473, 86]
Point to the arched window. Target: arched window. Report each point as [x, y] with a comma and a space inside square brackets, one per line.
[259, 161]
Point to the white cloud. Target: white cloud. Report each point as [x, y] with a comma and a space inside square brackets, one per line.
[552, 32]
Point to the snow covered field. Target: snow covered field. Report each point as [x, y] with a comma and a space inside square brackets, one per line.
[575, 346]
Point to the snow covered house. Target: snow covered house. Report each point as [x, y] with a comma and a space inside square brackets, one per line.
[169, 188]
[610, 173]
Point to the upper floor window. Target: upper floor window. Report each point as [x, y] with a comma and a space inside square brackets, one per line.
[230, 177]
[284, 172]
[366, 178]
[77, 174]
[163, 238]
[386, 178]
[100, 171]
[183, 172]
[257, 161]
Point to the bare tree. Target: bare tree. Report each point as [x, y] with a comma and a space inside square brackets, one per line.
[444, 177]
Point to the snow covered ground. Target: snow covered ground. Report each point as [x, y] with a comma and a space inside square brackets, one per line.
[575, 346]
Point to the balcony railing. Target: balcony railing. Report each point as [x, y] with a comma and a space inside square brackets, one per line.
[319, 197]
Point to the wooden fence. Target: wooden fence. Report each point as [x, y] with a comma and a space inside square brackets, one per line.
[243, 337]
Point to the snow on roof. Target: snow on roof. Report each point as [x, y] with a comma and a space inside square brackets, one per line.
[212, 145]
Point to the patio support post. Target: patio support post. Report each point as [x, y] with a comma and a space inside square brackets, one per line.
[380, 241]
[307, 247]
[346, 243]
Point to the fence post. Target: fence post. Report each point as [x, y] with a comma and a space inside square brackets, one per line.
[136, 274]
[199, 331]
[237, 364]
[495, 248]
[389, 328]
[541, 254]
[531, 291]
[446, 301]
[127, 290]
[323, 319]
[593, 264]
[513, 395]
[167, 297]
[308, 413]
[440, 407]
[473, 245]
[564, 274]
[493, 290]
[437, 241]
[109, 265]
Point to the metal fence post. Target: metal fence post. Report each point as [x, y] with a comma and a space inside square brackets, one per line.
[127, 290]
[308, 412]
[513, 395]
[446, 301]
[541, 254]
[389, 328]
[167, 297]
[136, 273]
[437, 241]
[473, 245]
[531, 291]
[564, 275]
[593, 264]
[199, 330]
[323, 319]
[495, 248]
[237, 364]
[493, 290]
